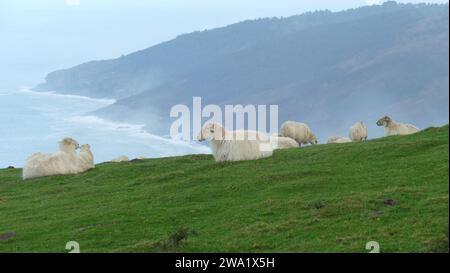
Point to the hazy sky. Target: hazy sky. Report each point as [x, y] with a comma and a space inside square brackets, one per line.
[38, 36]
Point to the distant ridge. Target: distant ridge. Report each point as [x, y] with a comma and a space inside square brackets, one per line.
[328, 69]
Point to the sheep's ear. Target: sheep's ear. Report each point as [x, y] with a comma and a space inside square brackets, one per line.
[219, 132]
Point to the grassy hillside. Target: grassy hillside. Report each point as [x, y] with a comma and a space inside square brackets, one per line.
[325, 198]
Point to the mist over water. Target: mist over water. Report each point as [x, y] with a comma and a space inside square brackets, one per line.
[34, 122]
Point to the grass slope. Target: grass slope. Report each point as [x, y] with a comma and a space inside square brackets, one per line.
[325, 198]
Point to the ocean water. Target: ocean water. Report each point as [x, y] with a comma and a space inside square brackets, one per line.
[34, 122]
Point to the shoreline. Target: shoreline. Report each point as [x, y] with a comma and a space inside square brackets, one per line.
[56, 94]
[85, 127]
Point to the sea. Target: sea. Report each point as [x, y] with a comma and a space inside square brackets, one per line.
[33, 122]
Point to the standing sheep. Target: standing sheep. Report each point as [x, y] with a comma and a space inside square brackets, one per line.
[300, 132]
[393, 128]
[338, 139]
[62, 162]
[235, 145]
[122, 158]
[358, 132]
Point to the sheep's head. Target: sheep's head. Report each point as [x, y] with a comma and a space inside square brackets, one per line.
[85, 147]
[314, 139]
[211, 131]
[384, 121]
[68, 142]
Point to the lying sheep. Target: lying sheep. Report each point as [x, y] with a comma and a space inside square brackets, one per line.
[85, 158]
[235, 145]
[393, 128]
[338, 139]
[300, 132]
[62, 162]
[279, 142]
[358, 132]
[122, 158]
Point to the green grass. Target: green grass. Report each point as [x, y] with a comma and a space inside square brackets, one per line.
[324, 198]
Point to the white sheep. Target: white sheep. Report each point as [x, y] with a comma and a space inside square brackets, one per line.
[298, 131]
[279, 142]
[235, 145]
[358, 132]
[85, 158]
[338, 139]
[394, 128]
[122, 158]
[62, 162]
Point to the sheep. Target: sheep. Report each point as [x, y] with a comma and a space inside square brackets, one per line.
[338, 139]
[278, 142]
[122, 158]
[62, 162]
[235, 145]
[394, 128]
[358, 132]
[300, 132]
[85, 158]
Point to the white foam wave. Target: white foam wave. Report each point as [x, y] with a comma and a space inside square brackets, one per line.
[132, 130]
[68, 96]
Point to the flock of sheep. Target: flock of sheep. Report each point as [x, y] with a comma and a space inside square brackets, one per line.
[249, 145]
[225, 145]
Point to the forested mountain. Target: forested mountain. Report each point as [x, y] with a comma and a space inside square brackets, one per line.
[327, 69]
